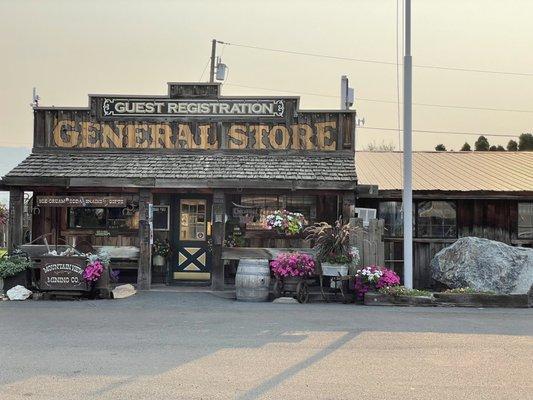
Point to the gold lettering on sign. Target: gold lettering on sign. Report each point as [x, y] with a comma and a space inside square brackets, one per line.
[143, 138]
[163, 136]
[302, 137]
[110, 138]
[324, 135]
[185, 138]
[320, 136]
[257, 132]
[237, 137]
[279, 137]
[128, 135]
[65, 134]
[90, 134]
[204, 137]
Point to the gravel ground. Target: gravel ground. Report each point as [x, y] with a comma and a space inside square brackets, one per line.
[176, 345]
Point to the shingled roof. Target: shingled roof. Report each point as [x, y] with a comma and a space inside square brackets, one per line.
[188, 169]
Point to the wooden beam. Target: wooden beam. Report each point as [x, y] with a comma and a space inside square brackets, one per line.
[261, 253]
[15, 227]
[218, 234]
[438, 194]
[348, 206]
[109, 182]
[144, 276]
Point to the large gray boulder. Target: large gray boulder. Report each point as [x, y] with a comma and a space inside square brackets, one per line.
[484, 265]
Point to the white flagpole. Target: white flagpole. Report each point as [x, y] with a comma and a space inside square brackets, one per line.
[407, 196]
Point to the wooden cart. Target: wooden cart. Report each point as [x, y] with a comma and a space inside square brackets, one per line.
[297, 287]
[340, 282]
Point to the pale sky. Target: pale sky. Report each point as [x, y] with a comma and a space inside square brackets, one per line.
[69, 49]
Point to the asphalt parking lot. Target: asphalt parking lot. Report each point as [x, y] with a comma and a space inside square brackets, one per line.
[175, 345]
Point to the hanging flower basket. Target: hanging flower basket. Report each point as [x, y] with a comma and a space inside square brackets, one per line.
[285, 222]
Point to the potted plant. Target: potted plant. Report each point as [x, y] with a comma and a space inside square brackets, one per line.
[373, 278]
[286, 222]
[13, 271]
[161, 250]
[333, 247]
[292, 271]
[98, 273]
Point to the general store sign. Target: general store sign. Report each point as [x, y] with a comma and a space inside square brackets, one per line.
[176, 135]
[80, 201]
[125, 107]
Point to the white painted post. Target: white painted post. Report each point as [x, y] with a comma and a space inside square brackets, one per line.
[344, 92]
[407, 196]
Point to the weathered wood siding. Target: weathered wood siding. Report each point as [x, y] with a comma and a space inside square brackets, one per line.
[490, 219]
[81, 128]
[494, 219]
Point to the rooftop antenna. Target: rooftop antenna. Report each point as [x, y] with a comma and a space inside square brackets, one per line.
[347, 94]
[35, 98]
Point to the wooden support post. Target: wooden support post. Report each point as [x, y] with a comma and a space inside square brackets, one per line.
[218, 234]
[15, 225]
[348, 206]
[144, 275]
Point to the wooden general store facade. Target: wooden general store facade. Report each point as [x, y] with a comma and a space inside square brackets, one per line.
[192, 167]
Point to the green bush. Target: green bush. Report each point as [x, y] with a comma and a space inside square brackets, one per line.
[403, 291]
[11, 266]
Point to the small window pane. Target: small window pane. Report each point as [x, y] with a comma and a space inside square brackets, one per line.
[525, 220]
[87, 217]
[192, 220]
[160, 218]
[391, 213]
[260, 206]
[116, 218]
[437, 219]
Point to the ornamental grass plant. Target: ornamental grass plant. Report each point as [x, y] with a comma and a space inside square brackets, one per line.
[332, 242]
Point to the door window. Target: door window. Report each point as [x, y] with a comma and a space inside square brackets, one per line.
[193, 219]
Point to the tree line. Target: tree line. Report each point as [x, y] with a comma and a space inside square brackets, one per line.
[525, 143]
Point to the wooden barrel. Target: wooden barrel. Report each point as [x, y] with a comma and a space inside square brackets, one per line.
[252, 282]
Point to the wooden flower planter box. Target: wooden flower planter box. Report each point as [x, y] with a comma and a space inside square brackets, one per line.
[378, 299]
[483, 300]
[479, 300]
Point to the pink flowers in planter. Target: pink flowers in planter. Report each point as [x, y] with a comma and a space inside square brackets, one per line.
[388, 278]
[293, 264]
[93, 271]
[373, 278]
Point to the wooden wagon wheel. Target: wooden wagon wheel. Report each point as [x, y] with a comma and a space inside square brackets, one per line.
[302, 292]
[278, 288]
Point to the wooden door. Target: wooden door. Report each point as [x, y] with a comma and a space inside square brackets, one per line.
[192, 255]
